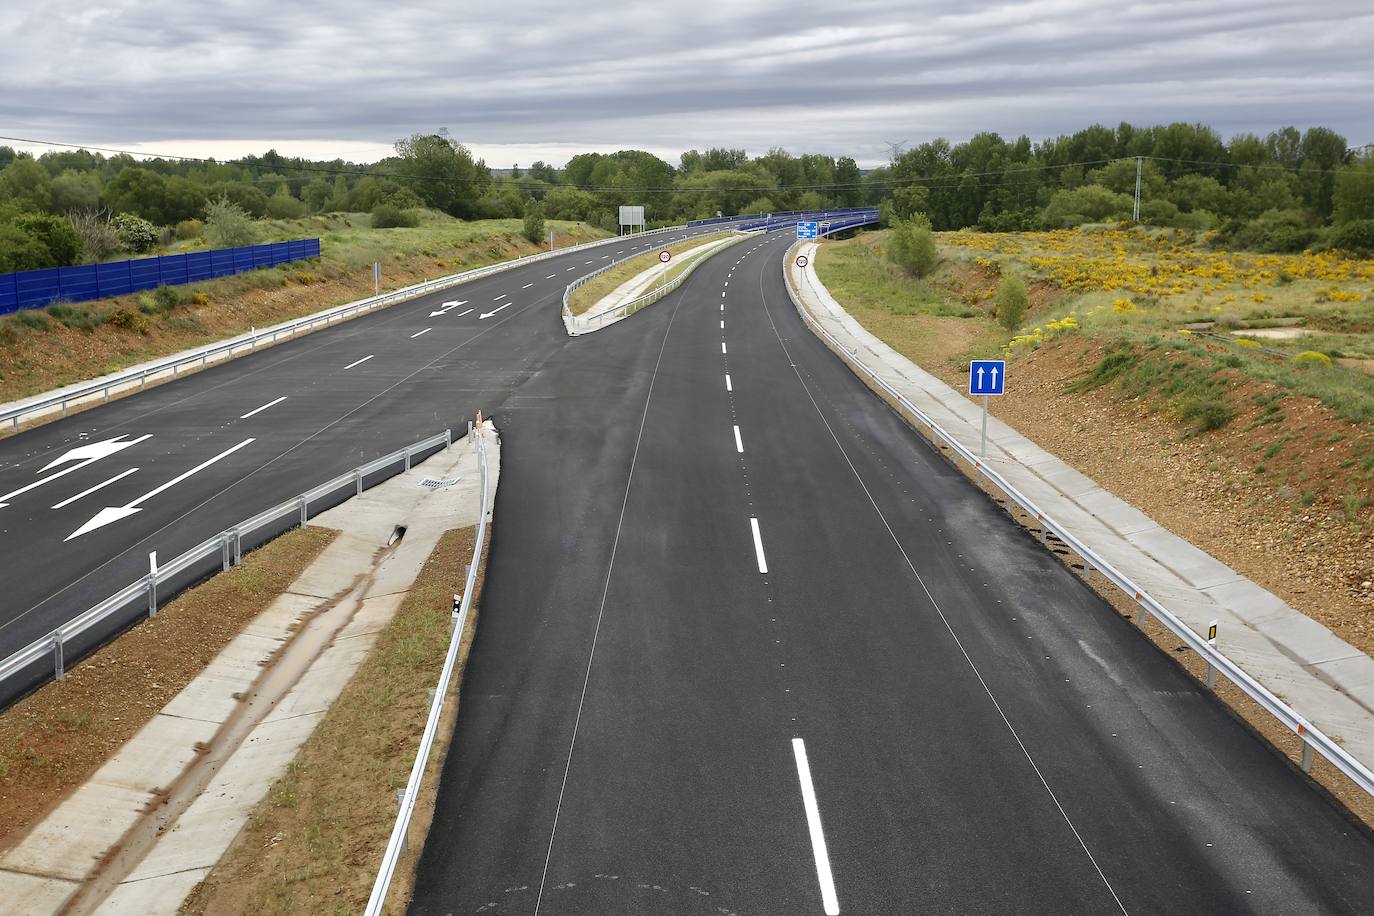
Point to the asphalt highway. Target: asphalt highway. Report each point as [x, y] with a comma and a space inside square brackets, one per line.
[749, 646]
[84, 500]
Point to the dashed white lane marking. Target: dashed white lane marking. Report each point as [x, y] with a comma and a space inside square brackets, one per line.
[574, 267]
[464, 312]
[499, 298]
[550, 276]
[100, 486]
[722, 306]
[829, 901]
[527, 286]
[727, 282]
[722, 294]
[591, 262]
[722, 347]
[256, 410]
[758, 545]
[418, 333]
[360, 361]
[728, 386]
[739, 443]
[722, 324]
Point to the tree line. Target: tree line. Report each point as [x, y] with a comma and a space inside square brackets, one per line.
[1286, 191]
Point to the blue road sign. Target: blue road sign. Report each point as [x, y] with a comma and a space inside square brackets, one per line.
[807, 230]
[987, 376]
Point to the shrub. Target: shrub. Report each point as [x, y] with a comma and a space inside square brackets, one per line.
[30, 318]
[534, 222]
[1354, 237]
[1312, 358]
[76, 317]
[189, 229]
[166, 298]
[200, 298]
[390, 216]
[282, 205]
[1204, 414]
[128, 320]
[56, 234]
[227, 225]
[1012, 300]
[135, 233]
[98, 237]
[21, 251]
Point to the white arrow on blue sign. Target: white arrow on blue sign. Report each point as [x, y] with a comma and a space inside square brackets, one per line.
[987, 376]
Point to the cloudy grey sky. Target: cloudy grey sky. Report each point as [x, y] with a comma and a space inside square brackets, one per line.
[535, 79]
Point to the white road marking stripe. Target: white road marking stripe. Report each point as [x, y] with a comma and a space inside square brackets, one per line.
[100, 486]
[360, 362]
[758, 544]
[499, 298]
[591, 262]
[464, 312]
[722, 322]
[550, 276]
[722, 347]
[574, 267]
[829, 901]
[727, 282]
[527, 286]
[263, 407]
[739, 447]
[728, 386]
[722, 294]
[418, 333]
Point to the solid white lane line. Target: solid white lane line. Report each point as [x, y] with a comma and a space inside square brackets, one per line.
[722, 347]
[499, 298]
[360, 362]
[464, 312]
[758, 544]
[418, 333]
[100, 486]
[829, 901]
[728, 386]
[550, 276]
[257, 410]
[739, 446]
[527, 286]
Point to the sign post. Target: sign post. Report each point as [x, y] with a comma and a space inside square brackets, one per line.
[664, 257]
[376, 278]
[987, 377]
[1212, 672]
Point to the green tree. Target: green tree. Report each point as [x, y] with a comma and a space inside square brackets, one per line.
[442, 173]
[1353, 196]
[21, 251]
[316, 195]
[227, 225]
[1088, 204]
[25, 185]
[56, 234]
[534, 222]
[73, 190]
[1012, 300]
[282, 205]
[911, 244]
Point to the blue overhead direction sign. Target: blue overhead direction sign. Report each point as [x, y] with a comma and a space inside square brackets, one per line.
[987, 376]
[807, 230]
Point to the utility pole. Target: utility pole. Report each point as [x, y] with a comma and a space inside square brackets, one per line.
[1139, 167]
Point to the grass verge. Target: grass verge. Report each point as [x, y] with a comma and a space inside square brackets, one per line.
[589, 294]
[314, 843]
[53, 740]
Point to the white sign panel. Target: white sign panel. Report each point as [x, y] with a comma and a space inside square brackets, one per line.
[631, 216]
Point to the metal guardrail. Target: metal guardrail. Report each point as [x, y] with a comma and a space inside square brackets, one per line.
[101, 388]
[227, 545]
[626, 309]
[397, 843]
[1310, 736]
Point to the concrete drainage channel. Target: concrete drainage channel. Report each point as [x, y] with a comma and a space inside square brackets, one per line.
[157, 817]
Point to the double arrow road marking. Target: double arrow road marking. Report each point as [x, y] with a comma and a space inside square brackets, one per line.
[115, 513]
[450, 306]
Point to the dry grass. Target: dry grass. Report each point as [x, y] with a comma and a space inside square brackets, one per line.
[585, 297]
[53, 740]
[314, 844]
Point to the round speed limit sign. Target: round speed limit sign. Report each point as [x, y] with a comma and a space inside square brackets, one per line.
[802, 261]
[665, 256]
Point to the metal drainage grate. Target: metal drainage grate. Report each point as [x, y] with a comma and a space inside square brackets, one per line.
[429, 483]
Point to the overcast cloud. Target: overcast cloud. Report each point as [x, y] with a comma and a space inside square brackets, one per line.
[530, 80]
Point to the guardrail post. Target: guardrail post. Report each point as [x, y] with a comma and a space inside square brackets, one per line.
[358, 481]
[152, 594]
[407, 458]
[448, 439]
[301, 501]
[238, 546]
[1087, 567]
[1306, 756]
[400, 806]
[1212, 679]
[107, 394]
[58, 663]
[224, 552]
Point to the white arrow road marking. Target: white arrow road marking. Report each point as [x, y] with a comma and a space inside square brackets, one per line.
[829, 901]
[418, 333]
[93, 450]
[493, 311]
[358, 362]
[263, 407]
[448, 307]
[85, 455]
[100, 486]
[115, 513]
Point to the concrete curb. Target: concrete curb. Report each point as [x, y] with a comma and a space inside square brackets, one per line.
[1293, 656]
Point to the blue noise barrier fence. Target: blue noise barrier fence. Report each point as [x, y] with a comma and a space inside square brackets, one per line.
[34, 289]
